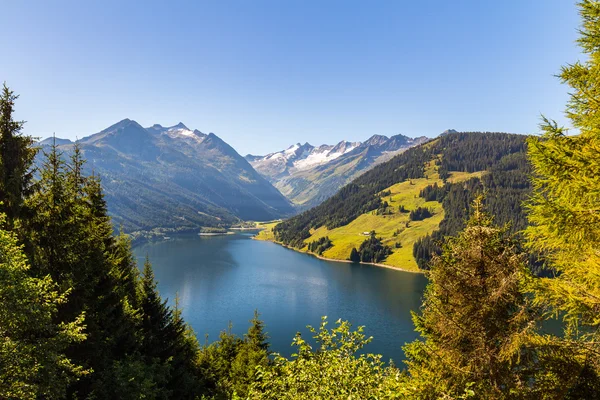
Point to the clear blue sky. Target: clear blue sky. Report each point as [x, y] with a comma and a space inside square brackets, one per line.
[265, 74]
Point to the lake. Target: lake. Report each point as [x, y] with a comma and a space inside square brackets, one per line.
[222, 279]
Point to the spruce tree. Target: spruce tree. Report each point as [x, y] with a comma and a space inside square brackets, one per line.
[186, 380]
[70, 238]
[168, 343]
[252, 354]
[564, 213]
[472, 318]
[16, 158]
[354, 255]
[156, 318]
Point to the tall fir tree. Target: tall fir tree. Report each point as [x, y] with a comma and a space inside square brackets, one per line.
[564, 213]
[253, 354]
[472, 319]
[16, 159]
[168, 343]
[70, 238]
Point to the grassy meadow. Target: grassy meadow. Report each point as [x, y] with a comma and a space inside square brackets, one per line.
[395, 229]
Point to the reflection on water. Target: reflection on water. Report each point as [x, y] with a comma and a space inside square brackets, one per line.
[225, 278]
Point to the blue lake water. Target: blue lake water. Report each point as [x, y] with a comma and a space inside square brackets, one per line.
[222, 279]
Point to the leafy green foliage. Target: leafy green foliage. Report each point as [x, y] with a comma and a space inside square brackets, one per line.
[167, 344]
[78, 268]
[33, 360]
[329, 370]
[506, 185]
[434, 192]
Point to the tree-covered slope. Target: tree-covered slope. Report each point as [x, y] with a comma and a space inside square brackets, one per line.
[457, 164]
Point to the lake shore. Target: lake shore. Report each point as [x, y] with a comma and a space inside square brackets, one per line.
[342, 261]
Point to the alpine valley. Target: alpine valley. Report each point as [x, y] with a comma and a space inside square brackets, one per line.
[174, 179]
[398, 212]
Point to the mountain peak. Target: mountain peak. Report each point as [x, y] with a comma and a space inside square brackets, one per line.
[180, 125]
[344, 147]
[125, 125]
[376, 140]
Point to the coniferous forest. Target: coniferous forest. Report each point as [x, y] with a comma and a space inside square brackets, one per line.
[518, 246]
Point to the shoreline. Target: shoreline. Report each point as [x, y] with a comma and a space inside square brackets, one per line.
[342, 261]
[215, 233]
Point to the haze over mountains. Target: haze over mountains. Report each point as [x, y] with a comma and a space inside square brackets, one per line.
[308, 175]
[175, 177]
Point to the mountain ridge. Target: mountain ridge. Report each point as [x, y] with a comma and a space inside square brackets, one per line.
[308, 175]
[173, 177]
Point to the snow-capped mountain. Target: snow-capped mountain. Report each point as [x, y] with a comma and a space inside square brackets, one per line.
[308, 174]
[175, 177]
[298, 157]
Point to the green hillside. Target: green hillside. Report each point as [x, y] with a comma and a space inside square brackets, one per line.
[441, 176]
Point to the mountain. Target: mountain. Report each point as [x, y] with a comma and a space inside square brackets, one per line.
[50, 140]
[308, 175]
[175, 177]
[416, 199]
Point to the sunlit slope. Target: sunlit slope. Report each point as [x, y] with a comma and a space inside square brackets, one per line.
[394, 228]
[452, 168]
[266, 232]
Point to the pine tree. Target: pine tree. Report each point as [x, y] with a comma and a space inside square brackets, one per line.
[16, 158]
[354, 255]
[252, 354]
[565, 212]
[186, 380]
[256, 335]
[47, 229]
[473, 316]
[70, 238]
[156, 318]
[168, 342]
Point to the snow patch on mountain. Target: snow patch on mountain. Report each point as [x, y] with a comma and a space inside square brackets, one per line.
[321, 155]
[300, 157]
[179, 131]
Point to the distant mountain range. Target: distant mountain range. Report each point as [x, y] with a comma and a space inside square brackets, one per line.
[308, 175]
[175, 178]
